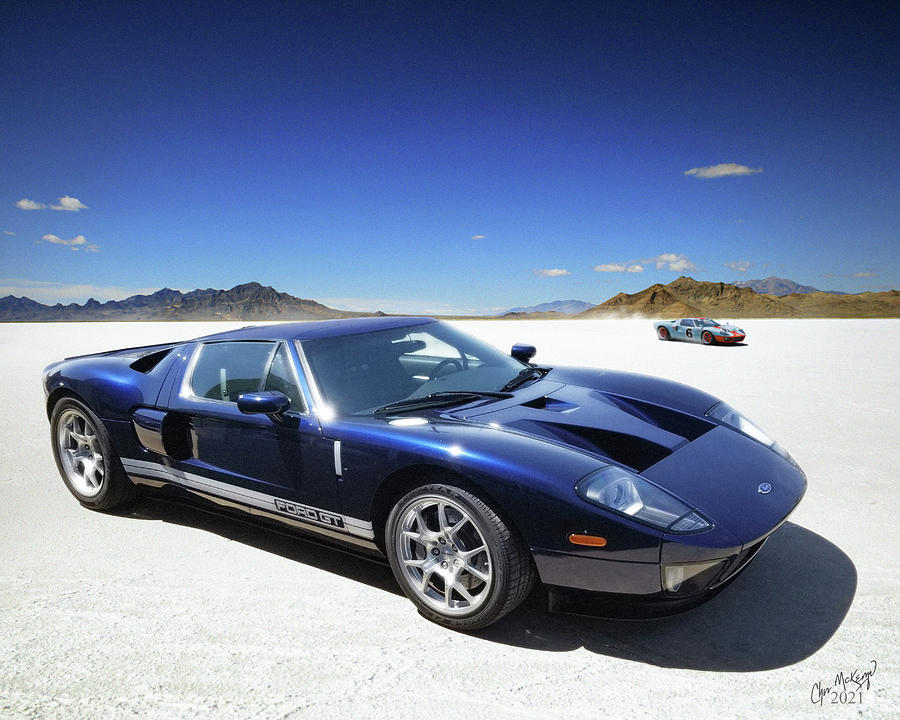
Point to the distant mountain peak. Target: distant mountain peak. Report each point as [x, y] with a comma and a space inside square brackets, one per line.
[780, 287]
[564, 307]
[249, 301]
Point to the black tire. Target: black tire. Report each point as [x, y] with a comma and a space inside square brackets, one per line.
[456, 558]
[90, 468]
[707, 337]
[663, 334]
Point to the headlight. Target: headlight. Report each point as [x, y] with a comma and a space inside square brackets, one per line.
[727, 415]
[624, 492]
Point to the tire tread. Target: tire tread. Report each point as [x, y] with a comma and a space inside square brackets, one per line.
[514, 565]
[119, 489]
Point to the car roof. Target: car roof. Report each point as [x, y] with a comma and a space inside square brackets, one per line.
[314, 329]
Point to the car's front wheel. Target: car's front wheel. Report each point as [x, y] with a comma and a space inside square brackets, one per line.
[456, 558]
[85, 458]
[707, 337]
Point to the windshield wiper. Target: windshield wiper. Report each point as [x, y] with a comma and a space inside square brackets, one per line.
[438, 399]
[524, 376]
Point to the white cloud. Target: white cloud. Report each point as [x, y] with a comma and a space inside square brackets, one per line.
[619, 267]
[66, 202]
[9, 232]
[671, 261]
[56, 240]
[54, 292]
[741, 266]
[26, 204]
[79, 242]
[864, 274]
[722, 170]
[666, 261]
[552, 272]
[478, 237]
[69, 203]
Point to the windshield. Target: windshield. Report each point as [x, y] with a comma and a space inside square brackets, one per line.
[706, 322]
[357, 374]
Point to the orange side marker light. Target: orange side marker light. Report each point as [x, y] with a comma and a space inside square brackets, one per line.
[587, 540]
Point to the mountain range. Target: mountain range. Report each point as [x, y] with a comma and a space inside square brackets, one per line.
[250, 301]
[257, 303]
[564, 307]
[780, 286]
[686, 297]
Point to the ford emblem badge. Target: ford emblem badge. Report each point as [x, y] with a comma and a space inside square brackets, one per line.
[764, 488]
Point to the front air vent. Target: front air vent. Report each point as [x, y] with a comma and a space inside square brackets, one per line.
[549, 403]
[679, 423]
[634, 452]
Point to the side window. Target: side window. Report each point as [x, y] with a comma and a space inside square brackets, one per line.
[225, 370]
[281, 378]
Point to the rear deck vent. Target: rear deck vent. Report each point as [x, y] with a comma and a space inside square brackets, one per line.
[146, 363]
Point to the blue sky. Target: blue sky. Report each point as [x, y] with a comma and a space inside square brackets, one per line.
[446, 157]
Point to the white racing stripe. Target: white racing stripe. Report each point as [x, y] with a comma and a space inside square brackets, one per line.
[279, 506]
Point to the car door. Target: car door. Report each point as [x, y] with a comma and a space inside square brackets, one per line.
[281, 458]
[686, 329]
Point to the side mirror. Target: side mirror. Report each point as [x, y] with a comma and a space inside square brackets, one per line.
[523, 353]
[268, 402]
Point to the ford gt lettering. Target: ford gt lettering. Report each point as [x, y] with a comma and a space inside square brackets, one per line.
[308, 513]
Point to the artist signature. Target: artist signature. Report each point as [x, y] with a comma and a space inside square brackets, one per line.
[846, 689]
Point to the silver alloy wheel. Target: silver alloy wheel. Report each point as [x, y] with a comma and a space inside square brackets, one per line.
[80, 453]
[444, 556]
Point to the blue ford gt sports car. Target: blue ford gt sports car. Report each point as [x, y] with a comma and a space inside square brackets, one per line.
[474, 472]
[702, 330]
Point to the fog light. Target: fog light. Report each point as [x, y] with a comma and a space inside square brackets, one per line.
[691, 578]
[673, 576]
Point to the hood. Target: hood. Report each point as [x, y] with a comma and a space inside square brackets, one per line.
[607, 414]
[729, 329]
[658, 429]
[721, 475]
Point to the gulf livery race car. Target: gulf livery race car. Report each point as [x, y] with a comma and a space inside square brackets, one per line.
[703, 330]
[475, 473]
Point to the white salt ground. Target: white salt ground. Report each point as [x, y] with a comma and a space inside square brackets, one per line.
[171, 614]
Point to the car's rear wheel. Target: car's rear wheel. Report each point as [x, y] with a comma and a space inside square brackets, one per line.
[663, 334]
[84, 456]
[707, 337]
[456, 558]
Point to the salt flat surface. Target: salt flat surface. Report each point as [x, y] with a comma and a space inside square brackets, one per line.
[164, 613]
